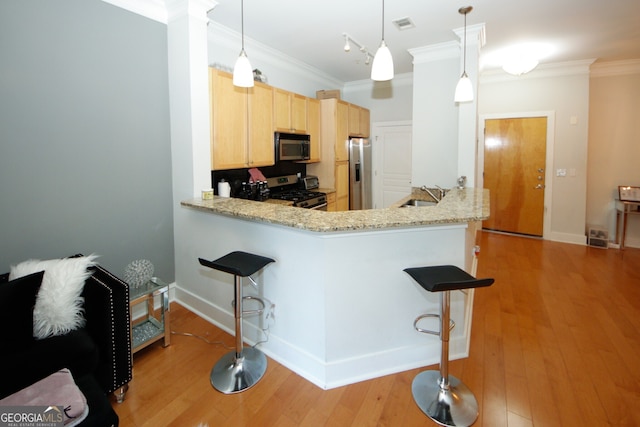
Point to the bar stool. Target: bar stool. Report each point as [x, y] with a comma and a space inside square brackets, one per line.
[443, 397]
[240, 369]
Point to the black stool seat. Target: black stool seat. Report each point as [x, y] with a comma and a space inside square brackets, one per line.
[238, 263]
[243, 368]
[441, 278]
[443, 397]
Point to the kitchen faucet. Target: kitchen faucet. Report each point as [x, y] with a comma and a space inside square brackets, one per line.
[436, 198]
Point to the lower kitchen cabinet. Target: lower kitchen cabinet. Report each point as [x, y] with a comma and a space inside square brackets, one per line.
[331, 202]
[342, 185]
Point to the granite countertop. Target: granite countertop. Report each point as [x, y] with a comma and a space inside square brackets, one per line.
[458, 206]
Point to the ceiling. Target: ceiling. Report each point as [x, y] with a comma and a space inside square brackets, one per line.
[311, 31]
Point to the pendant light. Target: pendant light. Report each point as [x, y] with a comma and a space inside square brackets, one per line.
[242, 72]
[464, 90]
[382, 68]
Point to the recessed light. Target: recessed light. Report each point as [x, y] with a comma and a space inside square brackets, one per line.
[403, 23]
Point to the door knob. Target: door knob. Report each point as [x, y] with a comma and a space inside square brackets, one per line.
[540, 170]
[539, 177]
[539, 187]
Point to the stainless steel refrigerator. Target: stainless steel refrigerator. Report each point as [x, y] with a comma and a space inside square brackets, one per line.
[360, 195]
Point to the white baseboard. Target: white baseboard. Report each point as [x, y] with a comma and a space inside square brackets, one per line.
[576, 239]
[326, 375]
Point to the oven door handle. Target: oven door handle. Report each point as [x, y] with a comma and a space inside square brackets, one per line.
[318, 207]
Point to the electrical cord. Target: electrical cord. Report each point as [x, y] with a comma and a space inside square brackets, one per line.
[200, 337]
[265, 332]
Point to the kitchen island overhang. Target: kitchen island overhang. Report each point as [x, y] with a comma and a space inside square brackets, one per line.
[342, 306]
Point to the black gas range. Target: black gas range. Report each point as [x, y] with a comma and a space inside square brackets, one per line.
[290, 188]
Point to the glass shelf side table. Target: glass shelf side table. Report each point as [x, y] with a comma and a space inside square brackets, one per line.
[154, 325]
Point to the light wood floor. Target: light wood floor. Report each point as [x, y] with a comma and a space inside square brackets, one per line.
[555, 342]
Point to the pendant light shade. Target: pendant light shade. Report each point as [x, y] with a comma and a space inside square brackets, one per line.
[382, 67]
[464, 89]
[242, 71]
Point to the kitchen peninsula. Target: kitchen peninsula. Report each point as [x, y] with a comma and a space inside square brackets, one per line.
[341, 308]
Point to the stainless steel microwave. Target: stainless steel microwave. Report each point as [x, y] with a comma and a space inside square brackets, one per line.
[290, 146]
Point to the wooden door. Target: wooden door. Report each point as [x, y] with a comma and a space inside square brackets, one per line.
[514, 171]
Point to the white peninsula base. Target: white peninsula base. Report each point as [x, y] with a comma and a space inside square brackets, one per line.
[343, 308]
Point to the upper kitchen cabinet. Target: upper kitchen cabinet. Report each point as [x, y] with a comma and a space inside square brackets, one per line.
[261, 150]
[359, 121]
[290, 111]
[241, 123]
[341, 130]
[313, 125]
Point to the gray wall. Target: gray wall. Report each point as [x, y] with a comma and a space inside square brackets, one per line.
[85, 160]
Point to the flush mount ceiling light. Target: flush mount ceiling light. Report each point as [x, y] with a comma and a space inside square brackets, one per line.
[382, 68]
[242, 71]
[464, 89]
[519, 64]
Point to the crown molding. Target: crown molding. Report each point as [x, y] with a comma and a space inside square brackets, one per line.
[435, 52]
[557, 69]
[404, 79]
[163, 10]
[152, 9]
[476, 34]
[228, 38]
[615, 68]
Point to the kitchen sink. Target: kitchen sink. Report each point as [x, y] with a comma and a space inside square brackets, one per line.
[413, 203]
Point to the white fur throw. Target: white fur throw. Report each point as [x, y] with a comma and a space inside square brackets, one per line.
[58, 308]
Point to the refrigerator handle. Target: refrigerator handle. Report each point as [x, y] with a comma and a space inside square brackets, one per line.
[357, 165]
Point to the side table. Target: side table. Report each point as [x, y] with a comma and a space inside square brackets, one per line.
[624, 209]
[153, 326]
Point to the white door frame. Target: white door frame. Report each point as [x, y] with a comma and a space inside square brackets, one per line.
[376, 154]
[548, 173]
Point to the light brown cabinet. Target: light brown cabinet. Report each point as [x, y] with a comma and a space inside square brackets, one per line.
[342, 185]
[365, 122]
[333, 170]
[341, 132]
[359, 121]
[290, 111]
[313, 125]
[331, 202]
[241, 123]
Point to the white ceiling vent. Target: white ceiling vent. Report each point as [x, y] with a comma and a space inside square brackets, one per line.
[403, 23]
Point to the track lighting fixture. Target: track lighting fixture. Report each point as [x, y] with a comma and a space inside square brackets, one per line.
[348, 40]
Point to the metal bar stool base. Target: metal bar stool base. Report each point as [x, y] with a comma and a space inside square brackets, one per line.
[233, 374]
[455, 406]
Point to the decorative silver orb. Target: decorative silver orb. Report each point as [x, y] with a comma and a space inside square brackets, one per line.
[138, 272]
